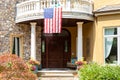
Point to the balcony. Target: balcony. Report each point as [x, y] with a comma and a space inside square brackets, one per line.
[71, 9]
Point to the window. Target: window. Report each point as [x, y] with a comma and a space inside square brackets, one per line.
[16, 42]
[111, 39]
[16, 46]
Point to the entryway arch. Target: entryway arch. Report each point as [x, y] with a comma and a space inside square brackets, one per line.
[56, 49]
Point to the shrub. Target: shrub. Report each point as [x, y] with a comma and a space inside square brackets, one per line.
[94, 71]
[89, 72]
[80, 63]
[33, 64]
[14, 68]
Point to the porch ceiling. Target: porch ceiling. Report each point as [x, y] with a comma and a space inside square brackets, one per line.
[65, 22]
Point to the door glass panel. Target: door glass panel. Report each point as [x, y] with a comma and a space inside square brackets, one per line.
[66, 46]
[43, 46]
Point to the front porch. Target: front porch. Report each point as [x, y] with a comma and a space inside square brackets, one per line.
[57, 49]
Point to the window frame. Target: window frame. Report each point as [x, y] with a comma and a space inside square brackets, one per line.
[20, 36]
[118, 42]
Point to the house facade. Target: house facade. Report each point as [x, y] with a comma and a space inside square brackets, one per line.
[89, 30]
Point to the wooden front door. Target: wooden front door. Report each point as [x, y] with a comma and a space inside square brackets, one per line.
[56, 52]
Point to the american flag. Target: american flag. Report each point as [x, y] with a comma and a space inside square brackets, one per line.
[52, 20]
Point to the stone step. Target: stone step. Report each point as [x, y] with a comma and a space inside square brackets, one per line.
[57, 75]
[58, 78]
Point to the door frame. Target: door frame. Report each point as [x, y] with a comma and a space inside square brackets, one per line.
[44, 46]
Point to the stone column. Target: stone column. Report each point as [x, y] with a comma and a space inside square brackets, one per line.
[79, 41]
[33, 40]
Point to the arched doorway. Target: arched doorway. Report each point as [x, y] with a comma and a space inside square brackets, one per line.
[56, 49]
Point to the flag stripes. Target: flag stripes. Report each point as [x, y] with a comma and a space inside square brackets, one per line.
[53, 25]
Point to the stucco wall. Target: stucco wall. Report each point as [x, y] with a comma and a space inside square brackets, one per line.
[101, 23]
[101, 3]
[88, 41]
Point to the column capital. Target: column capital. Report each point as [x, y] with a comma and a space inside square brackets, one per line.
[33, 23]
[80, 23]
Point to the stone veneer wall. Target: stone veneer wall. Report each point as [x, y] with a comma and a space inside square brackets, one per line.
[8, 26]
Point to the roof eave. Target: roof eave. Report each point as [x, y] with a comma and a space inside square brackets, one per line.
[100, 13]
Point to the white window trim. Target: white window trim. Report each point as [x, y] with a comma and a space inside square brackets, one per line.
[118, 43]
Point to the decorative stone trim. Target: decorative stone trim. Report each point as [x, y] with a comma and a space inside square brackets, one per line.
[21, 43]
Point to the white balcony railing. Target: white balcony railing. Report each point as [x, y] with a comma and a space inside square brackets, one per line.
[37, 6]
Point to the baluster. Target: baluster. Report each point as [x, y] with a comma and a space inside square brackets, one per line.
[78, 4]
[18, 10]
[22, 9]
[41, 5]
[54, 3]
[37, 6]
[63, 3]
[68, 4]
[47, 4]
[58, 2]
[32, 6]
[44, 4]
[50, 3]
[91, 7]
[71, 4]
[27, 7]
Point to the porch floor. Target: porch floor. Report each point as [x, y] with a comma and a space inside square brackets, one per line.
[57, 74]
